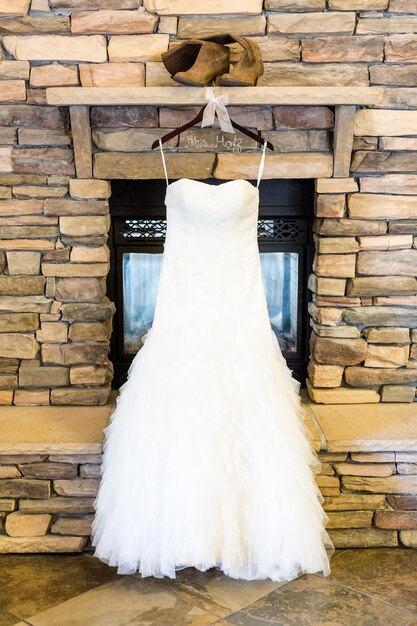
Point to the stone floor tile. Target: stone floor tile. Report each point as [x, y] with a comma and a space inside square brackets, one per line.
[311, 600]
[388, 574]
[213, 591]
[7, 619]
[127, 601]
[33, 583]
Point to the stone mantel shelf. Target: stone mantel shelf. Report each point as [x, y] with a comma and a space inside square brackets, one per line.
[182, 96]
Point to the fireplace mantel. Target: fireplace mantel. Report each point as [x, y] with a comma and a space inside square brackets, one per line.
[182, 96]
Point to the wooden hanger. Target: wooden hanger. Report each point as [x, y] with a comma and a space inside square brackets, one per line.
[198, 118]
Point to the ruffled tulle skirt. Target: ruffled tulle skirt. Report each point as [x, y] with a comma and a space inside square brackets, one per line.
[207, 462]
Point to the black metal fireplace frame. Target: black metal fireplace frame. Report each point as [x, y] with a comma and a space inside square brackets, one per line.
[288, 202]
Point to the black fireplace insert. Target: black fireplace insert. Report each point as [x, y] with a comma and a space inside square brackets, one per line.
[136, 247]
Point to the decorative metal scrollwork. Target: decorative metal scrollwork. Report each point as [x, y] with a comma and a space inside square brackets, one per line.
[272, 230]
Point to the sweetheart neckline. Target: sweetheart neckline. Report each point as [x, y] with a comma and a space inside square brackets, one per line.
[209, 185]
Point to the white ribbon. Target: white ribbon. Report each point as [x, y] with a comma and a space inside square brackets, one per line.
[217, 106]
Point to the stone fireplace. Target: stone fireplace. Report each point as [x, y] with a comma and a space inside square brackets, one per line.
[83, 94]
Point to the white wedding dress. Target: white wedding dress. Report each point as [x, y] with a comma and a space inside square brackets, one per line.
[207, 460]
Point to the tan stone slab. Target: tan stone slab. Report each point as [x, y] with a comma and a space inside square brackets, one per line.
[38, 137]
[354, 501]
[107, 22]
[386, 242]
[314, 74]
[336, 265]
[8, 8]
[58, 504]
[73, 526]
[343, 141]
[295, 5]
[53, 75]
[89, 188]
[363, 538]
[112, 75]
[311, 23]
[140, 166]
[204, 7]
[393, 24]
[394, 75]
[408, 538]
[349, 227]
[398, 393]
[31, 397]
[14, 69]
[337, 245]
[336, 185]
[189, 27]
[358, 5]
[54, 430]
[349, 49]
[138, 139]
[385, 122]
[6, 159]
[290, 165]
[330, 205]
[401, 48]
[373, 457]
[387, 335]
[349, 519]
[20, 524]
[75, 269]
[77, 487]
[365, 469]
[399, 262]
[48, 543]
[57, 48]
[108, 96]
[128, 48]
[386, 427]
[157, 75]
[342, 395]
[379, 206]
[399, 143]
[386, 356]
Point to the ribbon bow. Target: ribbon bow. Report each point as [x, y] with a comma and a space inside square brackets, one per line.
[217, 106]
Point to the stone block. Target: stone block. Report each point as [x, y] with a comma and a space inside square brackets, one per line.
[124, 165]
[14, 7]
[349, 519]
[20, 263]
[7, 504]
[398, 393]
[62, 207]
[54, 75]
[92, 331]
[399, 262]
[342, 332]
[290, 165]
[83, 396]
[363, 538]
[168, 24]
[77, 487]
[43, 160]
[337, 245]
[32, 117]
[391, 484]
[109, 21]
[335, 351]
[6, 164]
[336, 185]
[24, 488]
[373, 457]
[330, 205]
[75, 354]
[343, 227]
[49, 470]
[358, 5]
[9, 471]
[75, 458]
[387, 335]
[408, 226]
[373, 162]
[25, 304]
[407, 468]
[112, 74]
[365, 469]
[57, 48]
[311, 23]
[373, 286]
[314, 74]
[343, 49]
[367, 376]
[73, 526]
[90, 254]
[35, 137]
[24, 208]
[53, 332]
[20, 524]
[17, 322]
[326, 315]
[386, 242]
[401, 48]
[90, 375]
[342, 395]
[18, 345]
[391, 24]
[377, 206]
[192, 27]
[43, 376]
[133, 48]
[408, 538]
[80, 226]
[385, 122]
[58, 504]
[381, 316]
[327, 286]
[388, 356]
[46, 544]
[405, 503]
[89, 188]
[337, 265]
[138, 139]
[354, 501]
[90, 470]
[406, 520]
[13, 91]
[32, 397]
[325, 375]
[206, 7]
[399, 143]
[75, 269]
[305, 117]
[393, 75]
[124, 117]
[84, 312]
[298, 140]
[80, 289]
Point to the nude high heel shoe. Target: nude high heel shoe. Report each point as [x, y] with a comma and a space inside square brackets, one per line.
[197, 62]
